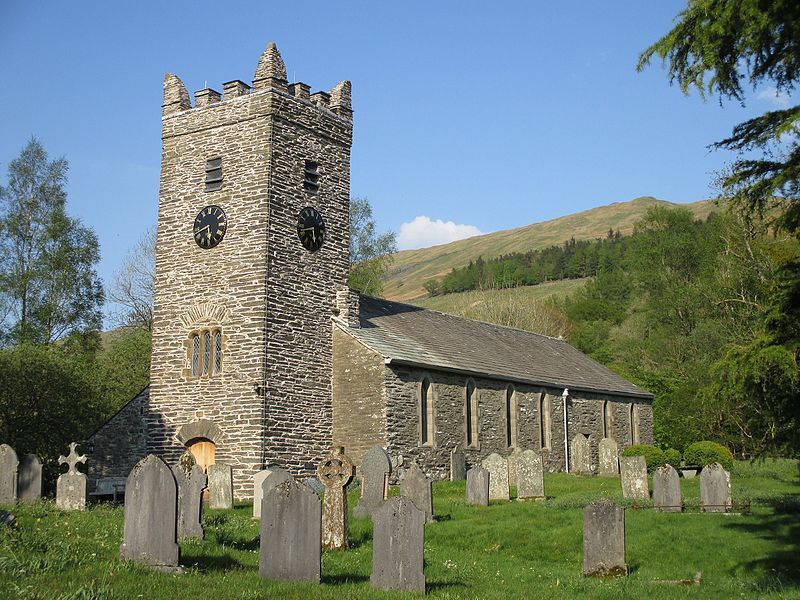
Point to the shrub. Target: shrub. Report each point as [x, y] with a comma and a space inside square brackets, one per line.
[705, 453]
[653, 456]
[672, 457]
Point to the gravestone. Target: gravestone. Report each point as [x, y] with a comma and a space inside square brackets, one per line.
[633, 471]
[71, 486]
[604, 540]
[398, 542]
[8, 474]
[530, 476]
[478, 486]
[416, 486]
[151, 502]
[335, 472]
[220, 486]
[513, 461]
[291, 533]
[580, 455]
[258, 494]
[498, 476]
[608, 460]
[715, 489]
[458, 464]
[667, 489]
[191, 481]
[273, 480]
[375, 470]
[29, 479]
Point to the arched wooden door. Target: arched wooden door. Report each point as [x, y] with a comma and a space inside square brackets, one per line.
[204, 452]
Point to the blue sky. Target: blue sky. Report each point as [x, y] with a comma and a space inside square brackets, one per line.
[486, 115]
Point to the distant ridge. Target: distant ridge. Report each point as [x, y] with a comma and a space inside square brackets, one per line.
[412, 268]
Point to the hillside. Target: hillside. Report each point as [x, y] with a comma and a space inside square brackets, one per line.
[412, 268]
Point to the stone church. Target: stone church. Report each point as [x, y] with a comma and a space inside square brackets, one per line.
[262, 355]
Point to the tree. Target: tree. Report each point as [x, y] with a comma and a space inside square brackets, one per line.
[134, 285]
[370, 252]
[48, 284]
[716, 47]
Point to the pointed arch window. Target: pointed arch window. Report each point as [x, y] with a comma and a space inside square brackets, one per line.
[471, 414]
[426, 413]
[608, 419]
[545, 422]
[511, 417]
[634, 424]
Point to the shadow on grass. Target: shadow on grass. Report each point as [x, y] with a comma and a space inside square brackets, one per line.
[357, 540]
[344, 579]
[211, 563]
[431, 586]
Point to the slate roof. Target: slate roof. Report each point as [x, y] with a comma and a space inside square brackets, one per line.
[410, 335]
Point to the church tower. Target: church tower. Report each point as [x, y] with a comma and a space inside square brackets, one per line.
[252, 246]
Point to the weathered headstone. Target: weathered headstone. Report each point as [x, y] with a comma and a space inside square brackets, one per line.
[416, 486]
[398, 542]
[191, 481]
[8, 474]
[458, 464]
[498, 476]
[513, 460]
[29, 479]
[375, 470]
[71, 486]
[478, 486]
[151, 502]
[604, 540]
[633, 471]
[335, 472]
[291, 533]
[608, 459]
[667, 489]
[715, 489]
[580, 455]
[530, 476]
[273, 480]
[220, 486]
[258, 494]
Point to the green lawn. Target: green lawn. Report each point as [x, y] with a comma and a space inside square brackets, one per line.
[509, 550]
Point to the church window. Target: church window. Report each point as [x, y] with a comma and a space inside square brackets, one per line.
[608, 419]
[213, 174]
[426, 412]
[204, 353]
[634, 424]
[471, 413]
[217, 352]
[311, 177]
[545, 421]
[511, 417]
[195, 355]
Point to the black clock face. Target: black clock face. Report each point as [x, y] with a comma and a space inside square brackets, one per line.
[210, 226]
[310, 229]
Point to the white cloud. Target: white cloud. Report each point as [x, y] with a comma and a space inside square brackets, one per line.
[779, 99]
[423, 232]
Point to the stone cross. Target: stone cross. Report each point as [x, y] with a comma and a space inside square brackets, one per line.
[375, 470]
[580, 455]
[513, 460]
[220, 486]
[604, 540]
[291, 533]
[151, 502]
[478, 486]
[667, 490]
[498, 476]
[715, 489]
[71, 486]
[608, 457]
[29, 480]
[458, 464]
[416, 486]
[634, 477]
[8, 474]
[335, 471]
[530, 476]
[398, 542]
[191, 482]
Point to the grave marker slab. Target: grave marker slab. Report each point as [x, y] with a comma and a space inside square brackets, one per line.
[151, 502]
[633, 470]
[220, 486]
[715, 489]
[29, 479]
[580, 455]
[513, 461]
[71, 486]
[258, 493]
[667, 490]
[530, 476]
[608, 461]
[416, 486]
[335, 472]
[8, 474]
[191, 482]
[498, 476]
[375, 470]
[398, 546]
[291, 533]
[604, 540]
[458, 464]
[478, 486]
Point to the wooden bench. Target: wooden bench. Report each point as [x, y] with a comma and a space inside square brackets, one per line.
[109, 486]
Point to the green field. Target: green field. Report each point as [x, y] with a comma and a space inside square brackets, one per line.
[508, 550]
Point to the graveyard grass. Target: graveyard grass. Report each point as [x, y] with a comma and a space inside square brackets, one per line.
[507, 550]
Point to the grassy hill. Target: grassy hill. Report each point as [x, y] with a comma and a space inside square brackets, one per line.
[412, 268]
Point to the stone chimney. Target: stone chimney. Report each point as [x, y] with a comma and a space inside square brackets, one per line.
[205, 97]
[176, 98]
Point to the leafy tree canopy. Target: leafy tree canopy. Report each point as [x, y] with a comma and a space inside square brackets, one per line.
[370, 251]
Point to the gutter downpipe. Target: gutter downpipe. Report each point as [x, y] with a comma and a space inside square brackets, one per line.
[565, 397]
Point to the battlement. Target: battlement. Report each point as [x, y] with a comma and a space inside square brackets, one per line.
[270, 75]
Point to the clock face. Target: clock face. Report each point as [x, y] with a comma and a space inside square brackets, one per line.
[310, 229]
[210, 225]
